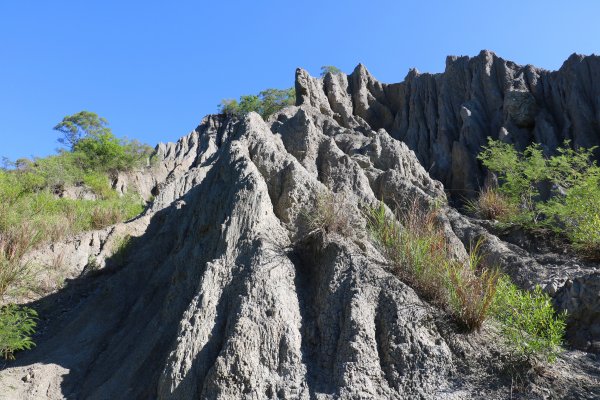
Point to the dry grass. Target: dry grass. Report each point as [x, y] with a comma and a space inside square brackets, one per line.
[102, 217]
[472, 292]
[14, 273]
[331, 213]
[492, 205]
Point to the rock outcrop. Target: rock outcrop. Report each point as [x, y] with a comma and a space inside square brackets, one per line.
[445, 118]
[226, 293]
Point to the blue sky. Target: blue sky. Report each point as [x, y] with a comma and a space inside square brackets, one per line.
[154, 68]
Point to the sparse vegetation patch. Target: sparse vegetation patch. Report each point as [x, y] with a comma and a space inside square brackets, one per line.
[471, 291]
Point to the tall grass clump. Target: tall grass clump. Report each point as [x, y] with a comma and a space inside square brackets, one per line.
[417, 248]
[493, 205]
[415, 245]
[472, 288]
[570, 205]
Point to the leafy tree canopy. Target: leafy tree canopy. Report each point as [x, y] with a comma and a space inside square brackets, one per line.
[77, 126]
[326, 69]
[266, 103]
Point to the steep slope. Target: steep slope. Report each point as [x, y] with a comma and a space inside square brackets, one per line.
[225, 292]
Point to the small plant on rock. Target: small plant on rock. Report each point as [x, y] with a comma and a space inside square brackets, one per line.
[472, 289]
[493, 205]
[529, 323]
[331, 213]
[17, 324]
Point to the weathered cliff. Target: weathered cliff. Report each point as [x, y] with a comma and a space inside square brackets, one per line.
[445, 118]
[226, 294]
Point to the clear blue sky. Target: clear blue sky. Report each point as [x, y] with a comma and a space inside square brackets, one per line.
[154, 68]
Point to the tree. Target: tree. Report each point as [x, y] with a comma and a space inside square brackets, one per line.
[274, 100]
[96, 148]
[229, 107]
[266, 103]
[249, 103]
[326, 69]
[83, 124]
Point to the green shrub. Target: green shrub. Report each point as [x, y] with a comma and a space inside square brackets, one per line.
[576, 214]
[17, 324]
[96, 149]
[99, 184]
[266, 103]
[105, 152]
[520, 175]
[573, 207]
[528, 321]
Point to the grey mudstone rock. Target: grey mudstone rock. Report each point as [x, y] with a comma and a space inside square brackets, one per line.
[580, 297]
[445, 118]
[226, 293]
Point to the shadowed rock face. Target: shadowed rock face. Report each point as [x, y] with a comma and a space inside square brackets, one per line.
[225, 294]
[446, 117]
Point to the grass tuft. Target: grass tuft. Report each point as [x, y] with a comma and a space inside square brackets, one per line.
[330, 214]
[492, 205]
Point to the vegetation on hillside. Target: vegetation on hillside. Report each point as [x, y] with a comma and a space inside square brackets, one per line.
[266, 102]
[35, 206]
[560, 193]
[471, 291]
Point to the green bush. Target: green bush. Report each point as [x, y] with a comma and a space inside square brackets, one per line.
[266, 103]
[99, 184]
[93, 146]
[105, 152]
[528, 321]
[573, 207]
[17, 324]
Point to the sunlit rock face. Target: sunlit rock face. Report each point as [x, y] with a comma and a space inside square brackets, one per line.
[445, 118]
[225, 293]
